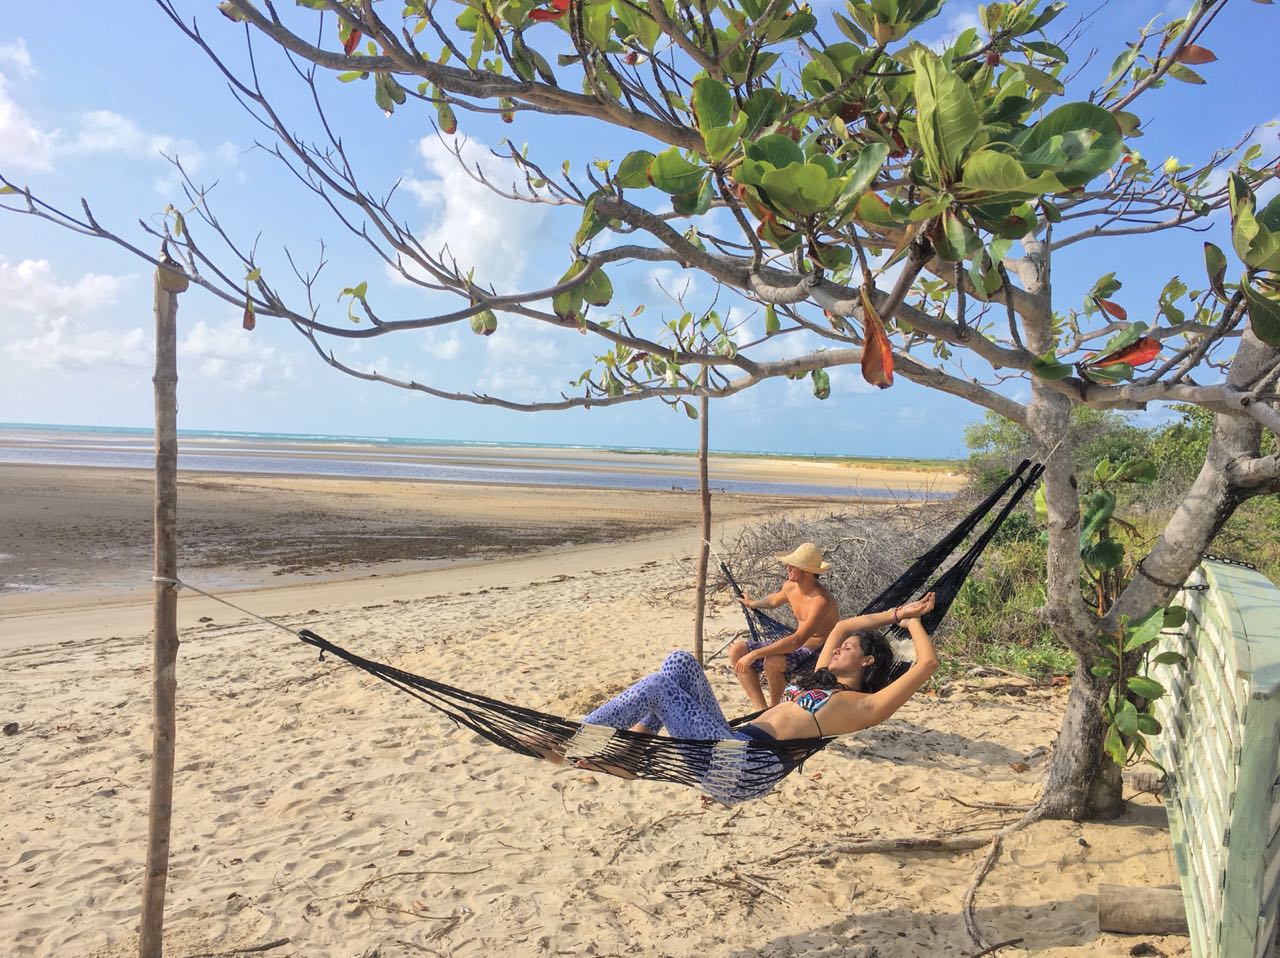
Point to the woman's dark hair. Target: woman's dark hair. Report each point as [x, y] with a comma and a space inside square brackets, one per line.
[875, 677]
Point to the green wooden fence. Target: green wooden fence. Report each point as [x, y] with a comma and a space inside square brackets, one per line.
[1221, 747]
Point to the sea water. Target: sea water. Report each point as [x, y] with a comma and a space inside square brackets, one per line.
[380, 457]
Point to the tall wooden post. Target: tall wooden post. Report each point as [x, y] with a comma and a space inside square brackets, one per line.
[704, 409]
[169, 281]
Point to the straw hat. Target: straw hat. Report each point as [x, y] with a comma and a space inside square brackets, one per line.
[807, 557]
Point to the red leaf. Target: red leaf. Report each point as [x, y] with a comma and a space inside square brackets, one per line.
[1137, 353]
[1195, 55]
[350, 42]
[561, 5]
[1112, 309]
[543, 16]
[249, 318]
[877, 356]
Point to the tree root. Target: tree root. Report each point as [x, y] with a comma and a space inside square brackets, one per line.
[970, 921]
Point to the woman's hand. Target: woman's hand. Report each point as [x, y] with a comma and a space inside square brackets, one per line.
[920, 607]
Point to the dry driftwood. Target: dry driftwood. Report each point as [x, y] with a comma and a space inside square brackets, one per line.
[1140, 910]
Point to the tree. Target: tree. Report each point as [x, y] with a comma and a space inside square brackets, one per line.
[902, 203]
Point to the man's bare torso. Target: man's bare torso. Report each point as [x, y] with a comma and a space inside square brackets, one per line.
[819, 602]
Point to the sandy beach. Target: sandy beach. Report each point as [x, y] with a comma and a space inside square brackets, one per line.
[323, 812]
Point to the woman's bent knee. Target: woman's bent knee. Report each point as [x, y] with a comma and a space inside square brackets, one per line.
[681, 658]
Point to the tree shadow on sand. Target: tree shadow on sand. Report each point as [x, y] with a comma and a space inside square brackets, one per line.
[900, 742]
[906, 931]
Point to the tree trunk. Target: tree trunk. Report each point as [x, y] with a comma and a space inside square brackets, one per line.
[700, 608]
[1082, 781]
[165, 649]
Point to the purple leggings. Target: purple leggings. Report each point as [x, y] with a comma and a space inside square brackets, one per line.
[677, 696]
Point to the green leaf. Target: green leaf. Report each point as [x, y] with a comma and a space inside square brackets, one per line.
[484, 323]
[1047, 366]
[1146, 631]
[1103, 670]
[956, 241]
[946, 116]
[568, 305]
[597, 289]
[1101, 506]
[771, 324]
[1141, 471]
[633, 171]
[672, 173]
[1147, 688]
[1114, 746]
[694, 204]
[1039, 80]
[1127, 719]
[996, 176]
[804, 188]
[591, 224]
[1148, 724]
[689, 410]
[1087, 137]
[776, 150]
[1263, 300]
[867, 165]
[1185, 74]
[821, 383]
[1175, 617]
[712, 104]
[720, 142]
[1168, 658]
[1104, 554]
[762, 109]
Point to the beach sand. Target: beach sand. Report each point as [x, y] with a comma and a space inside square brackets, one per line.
[315, 804]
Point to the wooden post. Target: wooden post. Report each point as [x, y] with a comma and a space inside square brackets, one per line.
[169, 281]
[1142, 911]
[704, 409]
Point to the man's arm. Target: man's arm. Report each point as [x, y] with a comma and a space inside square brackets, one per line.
[789, 643]
[768, 602]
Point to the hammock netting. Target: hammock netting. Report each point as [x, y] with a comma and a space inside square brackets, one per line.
[729, 770]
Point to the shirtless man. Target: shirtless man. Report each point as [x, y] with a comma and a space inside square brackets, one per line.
[816, 612]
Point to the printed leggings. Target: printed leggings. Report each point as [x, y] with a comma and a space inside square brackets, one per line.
[679, 697]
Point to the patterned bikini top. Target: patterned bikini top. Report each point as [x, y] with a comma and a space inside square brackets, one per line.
[811, 700]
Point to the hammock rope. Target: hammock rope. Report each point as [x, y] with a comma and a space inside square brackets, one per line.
[729, 770]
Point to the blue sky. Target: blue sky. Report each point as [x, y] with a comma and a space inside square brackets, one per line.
[88, 112]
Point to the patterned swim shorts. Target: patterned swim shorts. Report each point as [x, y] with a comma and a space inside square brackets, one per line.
[801, 660]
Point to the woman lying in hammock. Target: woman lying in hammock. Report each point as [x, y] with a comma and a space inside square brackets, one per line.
[847, 692]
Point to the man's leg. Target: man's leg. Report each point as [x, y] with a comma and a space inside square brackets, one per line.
[751, 681]
[775, 670]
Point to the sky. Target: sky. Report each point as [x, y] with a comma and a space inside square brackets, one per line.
[91, 113]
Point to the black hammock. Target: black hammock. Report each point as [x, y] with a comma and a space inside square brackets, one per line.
[729, 770]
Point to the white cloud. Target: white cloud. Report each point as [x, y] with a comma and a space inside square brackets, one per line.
[232, 356]
[442, 348]
[477, 227]
[65, 343]
[14, 54]
[24, 144]
[30, 287]
[105, 131]
[64, 330]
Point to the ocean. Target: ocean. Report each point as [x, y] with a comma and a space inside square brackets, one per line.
[379, 457]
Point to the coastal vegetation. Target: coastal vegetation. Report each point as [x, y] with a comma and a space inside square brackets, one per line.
[882, 198]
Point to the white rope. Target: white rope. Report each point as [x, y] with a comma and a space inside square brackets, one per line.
[179, 584]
